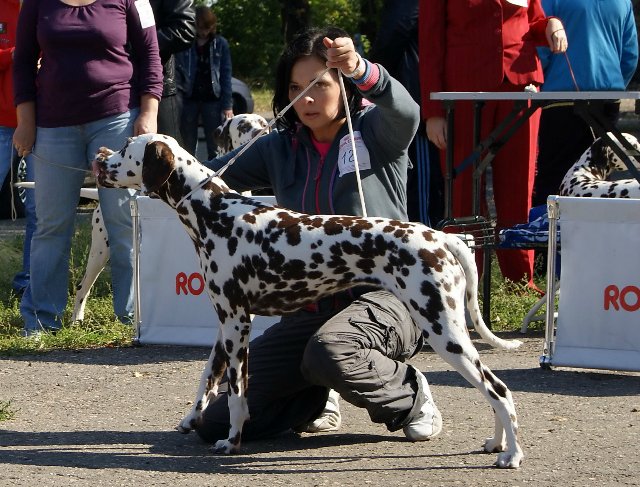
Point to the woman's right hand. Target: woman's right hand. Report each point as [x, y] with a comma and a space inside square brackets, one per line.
[437, 131]
[24, 137]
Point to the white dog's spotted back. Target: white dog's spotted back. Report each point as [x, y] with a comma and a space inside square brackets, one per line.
[588, 176]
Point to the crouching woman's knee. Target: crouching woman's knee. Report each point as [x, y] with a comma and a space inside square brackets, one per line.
[328, 359]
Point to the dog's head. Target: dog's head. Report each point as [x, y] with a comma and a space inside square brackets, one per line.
[145, 163]
[604, 161]
[238, 130]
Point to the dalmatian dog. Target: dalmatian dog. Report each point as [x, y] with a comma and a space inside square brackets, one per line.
[238, 130]
[268, 260]
[589, 175]
[233, 133]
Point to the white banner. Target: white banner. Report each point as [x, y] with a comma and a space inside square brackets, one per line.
[172, 305]
[598, 322]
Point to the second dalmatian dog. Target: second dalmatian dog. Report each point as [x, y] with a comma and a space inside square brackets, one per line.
[261, 259]
[233, 133]
[588, 177]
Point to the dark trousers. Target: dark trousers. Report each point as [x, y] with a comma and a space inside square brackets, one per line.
[425, 186]
[359, 352]
[169, 111]
[564, 136]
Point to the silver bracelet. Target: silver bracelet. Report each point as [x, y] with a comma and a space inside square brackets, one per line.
[353, 73]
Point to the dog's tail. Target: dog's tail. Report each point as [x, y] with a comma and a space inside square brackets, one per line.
[465, 257]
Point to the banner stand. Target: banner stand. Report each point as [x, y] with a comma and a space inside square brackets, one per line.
[598, 316]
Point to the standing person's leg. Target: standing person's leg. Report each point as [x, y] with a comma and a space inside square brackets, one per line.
[57, 196]
[189, 125]
[211, 120]
[360, 353]
[113, 132]
[169, 117]
[513, 175]
[463, 146]
[279, 397]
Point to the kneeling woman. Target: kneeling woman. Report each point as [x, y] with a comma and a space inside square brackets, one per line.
[354, 342]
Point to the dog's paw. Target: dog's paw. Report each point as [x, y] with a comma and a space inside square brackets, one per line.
[186, 425]
[509, 460]
[493, 445]
[225, 447]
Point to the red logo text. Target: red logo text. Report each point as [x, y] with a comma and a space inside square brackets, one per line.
[189, 284]
[627, 298]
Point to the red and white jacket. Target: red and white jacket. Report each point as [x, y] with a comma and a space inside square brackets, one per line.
[8, 23]
[473, 45]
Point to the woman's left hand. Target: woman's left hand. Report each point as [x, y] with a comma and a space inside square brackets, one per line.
[147, 121]
[556, 36]
[341, 54]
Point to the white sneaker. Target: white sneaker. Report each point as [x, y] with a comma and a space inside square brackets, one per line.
[330, 418]
[427, 423]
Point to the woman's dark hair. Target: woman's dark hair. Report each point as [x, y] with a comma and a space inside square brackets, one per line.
[306, 43]
[205, 17]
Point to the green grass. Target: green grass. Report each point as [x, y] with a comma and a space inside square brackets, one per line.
[262, 98]
[6, 411]
[100, 328]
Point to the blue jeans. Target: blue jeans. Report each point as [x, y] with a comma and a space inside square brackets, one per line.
[21, 279]
[211, 113]
[57, 195]
[6, 151]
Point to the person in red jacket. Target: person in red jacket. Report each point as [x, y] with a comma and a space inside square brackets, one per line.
[487, 45]
[8, 20]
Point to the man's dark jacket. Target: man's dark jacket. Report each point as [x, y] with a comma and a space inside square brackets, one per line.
[176, 27]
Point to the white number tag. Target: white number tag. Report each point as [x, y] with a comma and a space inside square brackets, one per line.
[346, 162]
[146, 13]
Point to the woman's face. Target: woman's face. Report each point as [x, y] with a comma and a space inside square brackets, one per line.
[203, 33]
[321, 106]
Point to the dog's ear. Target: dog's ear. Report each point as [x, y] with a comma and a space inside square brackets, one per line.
[221, 136]
[157, 165]
[219, 133]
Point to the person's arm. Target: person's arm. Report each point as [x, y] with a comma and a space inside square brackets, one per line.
[147, 121]
[226, 98]
[175, 26]
[629, 57]
[144, 41]
[394, 119]
[432, 42]
[25, 67]
[24, 136]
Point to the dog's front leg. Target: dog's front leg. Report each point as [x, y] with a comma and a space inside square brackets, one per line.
[236, 334]
[98, 257]
[208, 387]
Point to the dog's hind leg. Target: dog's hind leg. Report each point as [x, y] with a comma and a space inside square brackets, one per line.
[208, 387]
[98, 257]
[458, 350]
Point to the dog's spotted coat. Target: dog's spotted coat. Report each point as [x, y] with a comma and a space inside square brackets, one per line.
[588, 176]
[268, 260]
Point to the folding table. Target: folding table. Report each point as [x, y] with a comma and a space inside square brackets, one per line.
[588, 104]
